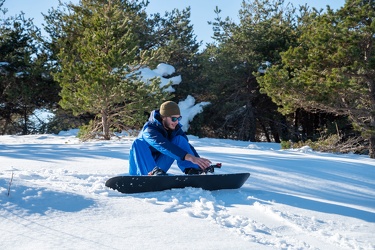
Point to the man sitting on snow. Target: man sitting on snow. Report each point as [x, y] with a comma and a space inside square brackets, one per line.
[160, 142]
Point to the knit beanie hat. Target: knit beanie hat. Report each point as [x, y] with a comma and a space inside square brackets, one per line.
[169, 108]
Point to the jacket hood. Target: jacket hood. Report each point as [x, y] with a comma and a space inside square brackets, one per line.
[155, 119]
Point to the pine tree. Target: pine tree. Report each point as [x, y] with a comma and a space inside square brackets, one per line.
[333, 67]
[174, 35]
[25, 83]
[239, 110]
[99, 54]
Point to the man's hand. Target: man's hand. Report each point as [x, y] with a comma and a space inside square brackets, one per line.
[203, 163]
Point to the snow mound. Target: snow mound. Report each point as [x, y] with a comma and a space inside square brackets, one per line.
[162, 71]
[189, 110]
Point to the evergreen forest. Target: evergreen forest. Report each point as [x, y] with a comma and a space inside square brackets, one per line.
[288, 74]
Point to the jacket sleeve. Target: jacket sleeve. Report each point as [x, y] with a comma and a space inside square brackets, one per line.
[194, 151]
[155, 139]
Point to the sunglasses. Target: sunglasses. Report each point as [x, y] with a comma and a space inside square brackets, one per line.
[175, 119]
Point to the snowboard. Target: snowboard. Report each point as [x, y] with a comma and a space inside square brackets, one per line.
[130, 184]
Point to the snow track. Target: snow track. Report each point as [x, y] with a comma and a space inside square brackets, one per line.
[261, 223]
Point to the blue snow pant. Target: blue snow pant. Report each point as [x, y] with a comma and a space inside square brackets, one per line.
[141, 160]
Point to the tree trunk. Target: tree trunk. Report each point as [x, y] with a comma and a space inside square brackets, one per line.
[372, 118]
[251, 123]
[7, 122]
[295, 136]
[372, 147]
[275, 132]
[24, 130]
[105, 124]
[265, 131]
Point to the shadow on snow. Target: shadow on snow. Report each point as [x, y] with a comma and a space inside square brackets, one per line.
[38, 200]
[266, 197]
[52, 152]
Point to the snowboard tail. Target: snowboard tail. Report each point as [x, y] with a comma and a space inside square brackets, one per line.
[138, 184]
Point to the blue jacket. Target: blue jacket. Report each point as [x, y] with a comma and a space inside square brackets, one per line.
[159, 139]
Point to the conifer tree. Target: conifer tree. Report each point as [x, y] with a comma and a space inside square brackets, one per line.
[333, 67]
[98, 57]
[239, 111]
[173, 34]
[25, 83]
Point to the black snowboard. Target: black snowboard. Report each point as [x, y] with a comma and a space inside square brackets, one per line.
[138, 184]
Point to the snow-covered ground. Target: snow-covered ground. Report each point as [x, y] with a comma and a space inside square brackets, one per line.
[294, 199]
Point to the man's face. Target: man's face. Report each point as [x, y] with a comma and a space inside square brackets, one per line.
[170, 122]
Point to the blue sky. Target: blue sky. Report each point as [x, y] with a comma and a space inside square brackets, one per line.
[201, 10]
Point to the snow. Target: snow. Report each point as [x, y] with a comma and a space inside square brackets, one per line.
[162, 71]
[189, 109]
[294, 199]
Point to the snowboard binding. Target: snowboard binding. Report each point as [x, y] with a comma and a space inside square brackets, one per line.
[210, 169]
